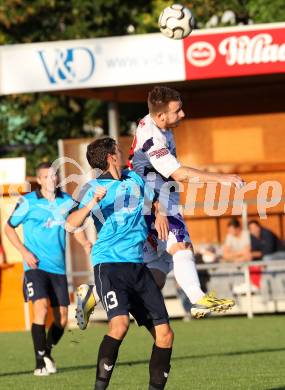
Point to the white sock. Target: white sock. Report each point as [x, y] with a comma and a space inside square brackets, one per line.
[185, 273]
[97, 298]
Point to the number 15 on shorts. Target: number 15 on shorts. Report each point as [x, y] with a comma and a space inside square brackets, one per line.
[110, 300]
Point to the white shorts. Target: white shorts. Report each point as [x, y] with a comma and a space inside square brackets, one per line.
[159, 259]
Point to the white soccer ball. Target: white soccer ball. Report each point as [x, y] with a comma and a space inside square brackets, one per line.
[176, 21]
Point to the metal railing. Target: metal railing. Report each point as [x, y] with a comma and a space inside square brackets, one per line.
[223, 276]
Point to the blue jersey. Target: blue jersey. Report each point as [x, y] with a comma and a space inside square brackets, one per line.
[119, 217]
[43, 228]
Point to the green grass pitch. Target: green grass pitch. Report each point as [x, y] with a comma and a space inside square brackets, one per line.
[219, 353]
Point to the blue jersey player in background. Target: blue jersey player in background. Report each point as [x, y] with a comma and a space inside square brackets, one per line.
[43, 213]
[117, 201]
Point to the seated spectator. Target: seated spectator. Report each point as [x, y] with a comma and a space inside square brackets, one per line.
[237, 249]
[237, 243]
[264, 243]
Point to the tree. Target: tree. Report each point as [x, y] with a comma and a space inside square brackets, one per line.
[31, 124]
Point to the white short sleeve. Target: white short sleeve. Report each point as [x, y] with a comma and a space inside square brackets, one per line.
[160, 157]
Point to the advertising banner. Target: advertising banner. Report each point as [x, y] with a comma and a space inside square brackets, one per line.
[90, 63]
[142, 59]
[233, 52]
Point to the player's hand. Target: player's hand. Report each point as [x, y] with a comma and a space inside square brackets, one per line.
[232, 180]
[30, 260]
[87, 247]
[100, 193]
[161, 226]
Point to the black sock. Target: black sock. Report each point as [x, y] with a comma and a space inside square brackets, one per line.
[54, 335]
[39, 340]
[107, 356]
[159, 367]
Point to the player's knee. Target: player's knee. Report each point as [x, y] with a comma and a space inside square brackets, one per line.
[60, 315]
[40, 311]
[164, 337]
[62, 322]
[179, 246]
[119, 330]
[169, 337]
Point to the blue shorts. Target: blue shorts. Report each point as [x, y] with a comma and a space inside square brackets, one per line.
[130, 288]
[40, 284]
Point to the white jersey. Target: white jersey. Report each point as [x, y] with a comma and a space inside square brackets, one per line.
[154, 150]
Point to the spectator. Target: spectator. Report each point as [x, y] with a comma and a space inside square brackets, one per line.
[237, 249]
[264, 243]
[237, 243]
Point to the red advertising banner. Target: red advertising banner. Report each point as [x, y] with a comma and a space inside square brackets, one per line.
[240, 52]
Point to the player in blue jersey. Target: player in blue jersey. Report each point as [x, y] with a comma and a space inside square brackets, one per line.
[117, 201]
[43, 213]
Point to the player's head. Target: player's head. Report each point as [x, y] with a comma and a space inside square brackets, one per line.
[234, 227]
[165, 106]
[47, 176]
[254, 228]
[104, 154]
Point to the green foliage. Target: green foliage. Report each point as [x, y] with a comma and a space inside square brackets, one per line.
[265, 11]
[31, 124]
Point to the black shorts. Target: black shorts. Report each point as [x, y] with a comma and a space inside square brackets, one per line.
[40, 284]
[130, 288]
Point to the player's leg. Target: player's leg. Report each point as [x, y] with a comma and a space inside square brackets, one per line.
[158, 265]
[113, 294]
[87, 299]
[59, 299]
[159, 364]
[54, 334]
[35, 290]
[108, 350]
[185, 272]
[179, 247]
[151, 302]
[38, 329]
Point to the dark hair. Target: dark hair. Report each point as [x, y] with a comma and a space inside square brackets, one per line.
[255, 222]
[235, 223]
[43, 165]
[98, 150]
[159, 97]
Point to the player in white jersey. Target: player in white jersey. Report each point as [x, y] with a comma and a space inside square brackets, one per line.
[153, 157]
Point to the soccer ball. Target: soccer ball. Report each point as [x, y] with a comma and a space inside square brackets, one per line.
[176, 21]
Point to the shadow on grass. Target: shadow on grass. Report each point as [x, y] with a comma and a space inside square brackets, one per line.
[175, 358]
[277, 388]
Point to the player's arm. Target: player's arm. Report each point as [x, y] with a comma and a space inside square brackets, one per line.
[77, 218]
[13, 237]
[82, 239]
[161, 222]
[168, 166]
[186, 174]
